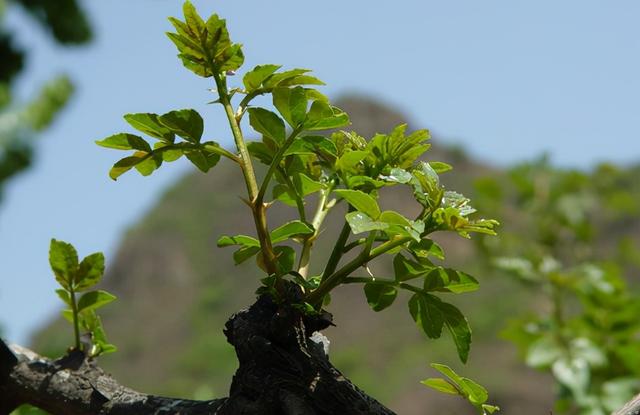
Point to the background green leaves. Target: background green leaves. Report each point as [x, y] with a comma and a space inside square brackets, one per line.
[77, 277]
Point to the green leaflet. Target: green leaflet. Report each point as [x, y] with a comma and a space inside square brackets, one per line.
[150, 124]
[186, 123]
[90, 271]
[431, 314]
[63, 259]
[94, 299]
[451, 280]
[380, 296]
[426, 248]
[440, 385]
[318, 145]
[290, 230]
[124, 141]
[361, 201]
[303, 186]
[360, 222]
[253, 79]
[267, 123]
[77, 277]
[468, 389]
[322, 116]
[202, 159]
[291, 103]
[205, 48]
[241, 240]
[406, 269]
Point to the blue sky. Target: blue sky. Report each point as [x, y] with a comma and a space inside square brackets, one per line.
[508, 80]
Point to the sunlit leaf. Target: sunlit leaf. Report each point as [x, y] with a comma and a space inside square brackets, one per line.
[360, 222]
[242, 240]
[291, 104]
[90, 271]
[290, 230]
[440, 385]
[267, 123]
[186, 123]
[322, 116]
[361, 201]
[253, 79]
[63, 259]
[149, 124]
[124, 141]
[94, 299]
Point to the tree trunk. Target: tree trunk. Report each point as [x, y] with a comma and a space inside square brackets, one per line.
[284, 370]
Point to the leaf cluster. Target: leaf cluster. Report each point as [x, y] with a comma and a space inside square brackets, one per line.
[314, 165]
[466, 388]
[185, 123]
[79, 277]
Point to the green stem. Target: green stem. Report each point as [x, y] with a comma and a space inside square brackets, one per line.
[354, 244]
[299, 201]
[316, 296]
[74, 311]
[258, 208]
[275, 163]
[222, 152]
[389, 245]
[338, 277]
[368, 244]
[369, 280]
[321, 213]
[242, 107]
[247, 165]
[337, 252]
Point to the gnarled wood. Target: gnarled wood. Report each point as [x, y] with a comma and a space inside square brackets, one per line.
[631, 408]
[284, 370]
[74, 385]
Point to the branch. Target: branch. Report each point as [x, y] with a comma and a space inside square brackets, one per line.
[74, 385]
[284, 370]
[631, 408]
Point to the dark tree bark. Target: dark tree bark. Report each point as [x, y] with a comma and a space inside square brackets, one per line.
[284, 370]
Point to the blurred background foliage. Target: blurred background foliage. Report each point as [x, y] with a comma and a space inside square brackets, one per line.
[21, 121]
[567, 240]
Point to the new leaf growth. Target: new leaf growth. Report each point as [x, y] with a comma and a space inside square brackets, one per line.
[314, 166]
[78, 277]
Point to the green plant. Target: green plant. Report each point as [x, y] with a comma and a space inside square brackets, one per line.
[77, 277]
[337, 168]
[584, 328]
[466, 388]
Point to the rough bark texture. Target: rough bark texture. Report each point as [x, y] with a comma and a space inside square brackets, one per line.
[631, 408]
[283, 370]
[74, 385]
